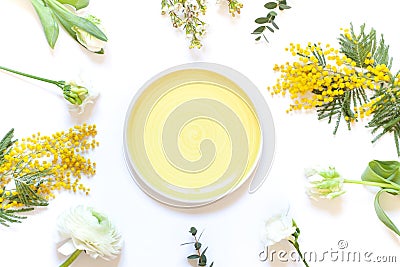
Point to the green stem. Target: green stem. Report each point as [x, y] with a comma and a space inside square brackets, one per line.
[58, 83]
[368, 183]
[71, 258]
[297, 247]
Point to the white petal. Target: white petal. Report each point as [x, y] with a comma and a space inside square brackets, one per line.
[67, 248]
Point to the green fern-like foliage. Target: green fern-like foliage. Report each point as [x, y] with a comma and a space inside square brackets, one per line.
[358, 46]
[342, 107]
[5, 144]
[385, 109]
[25, 194]
[10, 216]
[386, 114]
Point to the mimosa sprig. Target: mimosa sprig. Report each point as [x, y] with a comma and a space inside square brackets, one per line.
[345, 84]
[33, 168]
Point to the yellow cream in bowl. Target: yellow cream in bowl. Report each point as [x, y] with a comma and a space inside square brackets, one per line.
[193, 135]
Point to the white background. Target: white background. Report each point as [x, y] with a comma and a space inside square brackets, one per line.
[143, 43]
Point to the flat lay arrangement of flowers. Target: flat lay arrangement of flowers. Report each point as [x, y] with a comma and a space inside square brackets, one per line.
[161, 169]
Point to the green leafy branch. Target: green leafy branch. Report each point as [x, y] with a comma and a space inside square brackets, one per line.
[52, 12]
[268, 22]
[200, 256]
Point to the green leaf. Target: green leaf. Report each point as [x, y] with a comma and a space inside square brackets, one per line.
[382, 172]
[258, 38]
[261, 20]
[259, 30]
[269, 28]
[68, 19]
[193, 231]
[188, 243]
[203, 260]
[204, 252]
[8, 216]
[212, 264]
[48, 20]
[194, 256]
[78, 4]
[274, 24]
[273, 14]
[271, 5]
[6, 143]
[197, 245]
[282, 7]
[381, 213]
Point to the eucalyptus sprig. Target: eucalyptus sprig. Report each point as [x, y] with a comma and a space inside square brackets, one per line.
[85, 30]
[268, 22]
[200, 256]
[328, 183]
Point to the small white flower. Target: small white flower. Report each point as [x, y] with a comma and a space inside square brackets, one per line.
[90, 231]
[277, 228]
[178, 7]
[87, 40]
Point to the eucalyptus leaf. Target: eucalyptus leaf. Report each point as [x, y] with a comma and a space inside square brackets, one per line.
[282, 7]
[212, 264]
[48, 20]
[203, 260]
[193, 256]
[381, 213]
[78, 4]
[261, 20]
[64, 15]
[258, 38]
[271, 5]
[259, 30]
[273, 13]
[270, 29]
[274, 24]
[193, 230]
[204, 252]
[197, 245]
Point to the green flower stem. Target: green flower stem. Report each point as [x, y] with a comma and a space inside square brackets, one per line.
[71, 258]
[369, 183]
[297, 247]
[58, 83]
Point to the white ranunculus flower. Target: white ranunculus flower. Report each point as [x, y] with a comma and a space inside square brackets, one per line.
[86, 39]
[88, 230]
[277, 228]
